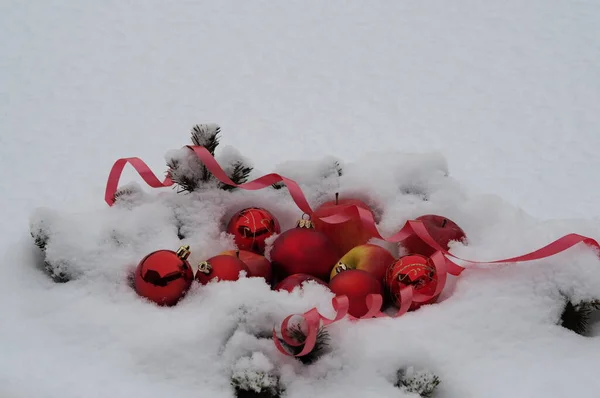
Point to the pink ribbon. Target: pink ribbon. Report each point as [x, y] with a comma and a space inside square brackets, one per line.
[441, 259]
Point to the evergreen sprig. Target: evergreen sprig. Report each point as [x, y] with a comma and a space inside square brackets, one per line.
[257, 385]
[421, 382]
[320, 348]
[576, 317]
[239, 175]
[192, 175]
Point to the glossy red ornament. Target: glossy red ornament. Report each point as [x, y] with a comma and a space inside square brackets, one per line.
[257, 264]
[220, 268]
[303, 250]
[415, 270]
[347, 235]
[292, 281]
[250, 227]
[442, 230]
[357, 285]
[164, 276]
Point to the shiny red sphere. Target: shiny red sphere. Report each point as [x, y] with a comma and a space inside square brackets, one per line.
[221, 268]
[250, 227]
[292, 281]
[163, 277]
[303, 251]
[357, 285]
[415, 270]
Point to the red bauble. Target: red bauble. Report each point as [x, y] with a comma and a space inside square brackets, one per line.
[250, 227]
[292, 281]
[220, 268]
[415, 270]
[258, 266]
[164, 276]
[357, 285]
[346, 235]
[441, 229]
[303, 251]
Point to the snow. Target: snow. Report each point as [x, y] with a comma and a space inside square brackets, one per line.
[486, 113]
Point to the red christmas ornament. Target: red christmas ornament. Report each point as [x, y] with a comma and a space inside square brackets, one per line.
[357, 285]
[303, 250]
[220, 268]
[347, 235]
[441, 229]
[258, 265]
[292, 281]
[164, 276]
[250, 227]
[415, 270]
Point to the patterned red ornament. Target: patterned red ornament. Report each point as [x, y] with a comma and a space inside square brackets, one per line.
[415, 270]
[164, 276]
[250, 227]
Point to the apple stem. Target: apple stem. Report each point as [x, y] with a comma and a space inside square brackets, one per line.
[444, 222]
[237, 253]
[337, 196]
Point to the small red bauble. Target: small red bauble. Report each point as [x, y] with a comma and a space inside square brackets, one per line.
[258, 266]
[220, 268]
[164, 276]
[292, 281]
[250, 227]
[415, 270]
[357, 285]
[347, 235]
[441, 229]
[303, 250]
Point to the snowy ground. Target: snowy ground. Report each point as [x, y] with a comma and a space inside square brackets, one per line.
[503, 95]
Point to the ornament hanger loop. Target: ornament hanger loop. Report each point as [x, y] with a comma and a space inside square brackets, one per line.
[307, 215]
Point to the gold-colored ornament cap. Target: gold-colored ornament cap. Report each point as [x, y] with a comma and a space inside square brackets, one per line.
[341, 267]
[183, 252]
[204, 267]
[305, 222]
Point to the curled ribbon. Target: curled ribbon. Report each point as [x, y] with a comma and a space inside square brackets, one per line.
[441, 259]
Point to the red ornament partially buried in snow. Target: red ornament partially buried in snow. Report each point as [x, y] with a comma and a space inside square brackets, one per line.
[164, 276]
[415, 270]
[250, 227]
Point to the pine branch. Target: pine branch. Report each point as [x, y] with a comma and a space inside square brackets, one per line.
[320, 348]
[421, 382]
[576, 317]
[238, 175]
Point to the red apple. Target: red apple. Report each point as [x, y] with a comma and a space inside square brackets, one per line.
[368, 257]
[258, 265]
[292, 281]
[441, 229]
[345, 235]
[220, 268]
[356, 284]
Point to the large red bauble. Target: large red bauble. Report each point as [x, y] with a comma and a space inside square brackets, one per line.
[303, 251]
[164, 276]
[220, 268]
[346, 235]
[250, 227]
[292, 281]
[441, 229]
[357, 285]
[415, 270]
[258, 266]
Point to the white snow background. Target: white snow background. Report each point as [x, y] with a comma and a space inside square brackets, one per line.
[502, 96]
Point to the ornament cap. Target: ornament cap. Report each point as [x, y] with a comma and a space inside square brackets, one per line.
[305, 222]
[341, 267]
[204, 267]
[183, 252]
